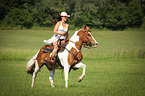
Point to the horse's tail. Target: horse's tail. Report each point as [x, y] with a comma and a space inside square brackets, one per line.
[31, 64]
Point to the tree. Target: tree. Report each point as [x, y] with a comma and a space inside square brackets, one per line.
[114, 14]
[135, 14]
[19, 17]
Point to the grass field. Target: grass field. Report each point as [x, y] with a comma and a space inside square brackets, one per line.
[115, 68]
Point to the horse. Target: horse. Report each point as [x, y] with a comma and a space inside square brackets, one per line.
[69, 58]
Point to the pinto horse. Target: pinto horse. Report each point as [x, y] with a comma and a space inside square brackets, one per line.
[69, 59]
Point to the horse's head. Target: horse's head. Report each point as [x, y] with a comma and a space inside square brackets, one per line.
[87, 37]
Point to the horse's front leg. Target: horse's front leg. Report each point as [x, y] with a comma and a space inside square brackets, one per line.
[52, 72]
[66, 70]
[81, 65]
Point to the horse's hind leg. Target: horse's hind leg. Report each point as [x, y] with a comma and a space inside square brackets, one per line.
[52, 72]
[81, 65]
[35, 72]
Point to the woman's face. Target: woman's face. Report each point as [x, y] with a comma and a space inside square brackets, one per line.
[64, 18]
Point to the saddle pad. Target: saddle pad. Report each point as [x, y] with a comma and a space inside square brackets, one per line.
[47, 49]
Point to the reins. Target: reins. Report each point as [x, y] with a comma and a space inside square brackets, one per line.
[81, 45]
[75, 56]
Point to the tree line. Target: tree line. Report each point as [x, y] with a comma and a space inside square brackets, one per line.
[112, 14]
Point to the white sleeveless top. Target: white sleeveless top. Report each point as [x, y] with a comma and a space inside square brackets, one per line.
[61, 29]
[55, 37]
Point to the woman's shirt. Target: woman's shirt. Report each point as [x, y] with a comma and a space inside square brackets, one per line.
[61, 29]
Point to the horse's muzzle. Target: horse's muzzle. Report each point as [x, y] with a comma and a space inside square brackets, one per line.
[95, 45]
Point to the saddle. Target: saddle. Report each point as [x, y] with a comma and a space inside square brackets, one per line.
[61, 46]
[49, 49]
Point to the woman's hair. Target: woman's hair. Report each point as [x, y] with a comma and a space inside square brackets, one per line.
[58, 18]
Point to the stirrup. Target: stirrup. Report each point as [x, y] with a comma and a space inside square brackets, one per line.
[52, 59]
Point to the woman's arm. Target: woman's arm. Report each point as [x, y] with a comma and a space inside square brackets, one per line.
[56, 28]
[67, 35]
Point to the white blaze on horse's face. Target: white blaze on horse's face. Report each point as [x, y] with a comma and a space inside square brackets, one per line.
[95, 42]
[89, 39]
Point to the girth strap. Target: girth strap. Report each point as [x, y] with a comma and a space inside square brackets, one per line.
[75, 57]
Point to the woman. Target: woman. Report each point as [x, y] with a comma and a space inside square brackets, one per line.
[60, 31]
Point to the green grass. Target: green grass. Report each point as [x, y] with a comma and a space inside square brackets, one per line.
[115, 68]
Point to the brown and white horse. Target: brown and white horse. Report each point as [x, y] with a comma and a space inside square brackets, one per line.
[70, 58]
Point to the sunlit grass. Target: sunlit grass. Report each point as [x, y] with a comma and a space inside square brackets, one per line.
[115, 68]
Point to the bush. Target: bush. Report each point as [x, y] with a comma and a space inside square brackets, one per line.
[135, 14]
[19, 17]
[112, 14]
[116, 18]
[143, 24]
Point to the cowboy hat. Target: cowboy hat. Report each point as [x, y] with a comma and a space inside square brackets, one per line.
[64, 14]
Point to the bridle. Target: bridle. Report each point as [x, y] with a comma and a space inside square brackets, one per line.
[85, 46]
[87, 38]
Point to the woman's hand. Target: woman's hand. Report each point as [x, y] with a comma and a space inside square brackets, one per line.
[62, 33]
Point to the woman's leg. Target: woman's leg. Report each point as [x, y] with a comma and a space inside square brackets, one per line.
[55, 49]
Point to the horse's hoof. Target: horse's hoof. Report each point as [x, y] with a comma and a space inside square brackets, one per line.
[52, 86]
[80, 79]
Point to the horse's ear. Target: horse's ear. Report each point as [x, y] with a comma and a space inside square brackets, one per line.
[88, 28]
[85, 27]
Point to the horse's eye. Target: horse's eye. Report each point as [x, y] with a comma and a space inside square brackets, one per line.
[88, 35]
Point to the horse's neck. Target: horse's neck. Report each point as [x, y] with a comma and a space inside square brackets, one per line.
[75, 37]
[75, 41]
